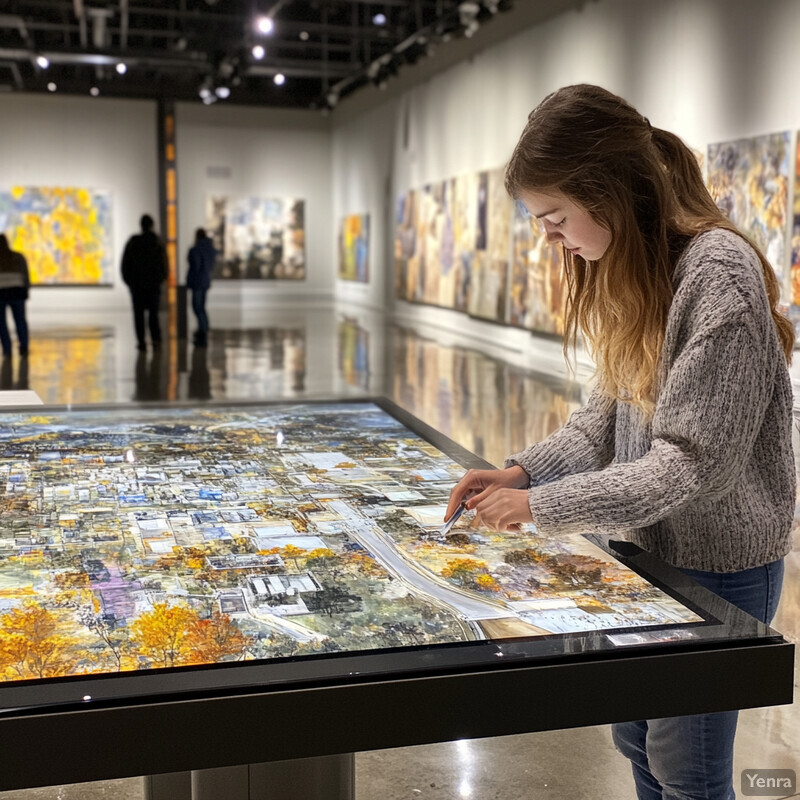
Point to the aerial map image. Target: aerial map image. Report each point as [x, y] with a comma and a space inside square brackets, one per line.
[139, 538]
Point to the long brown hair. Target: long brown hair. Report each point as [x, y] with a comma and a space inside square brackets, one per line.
[644, 185]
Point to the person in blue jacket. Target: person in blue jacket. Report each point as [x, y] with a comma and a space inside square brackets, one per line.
[198, 279]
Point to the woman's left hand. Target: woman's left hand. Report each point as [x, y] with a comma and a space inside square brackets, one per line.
[503, 510]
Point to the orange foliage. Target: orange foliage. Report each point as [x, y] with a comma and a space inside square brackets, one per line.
[163, 633]
[488, 583]
[212, 640]
[30, 643]
[293, 553]
[174, 635]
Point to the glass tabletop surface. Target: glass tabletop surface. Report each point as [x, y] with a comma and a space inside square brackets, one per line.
[153, 552]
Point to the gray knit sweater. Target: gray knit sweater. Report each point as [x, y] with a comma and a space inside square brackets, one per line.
[709, 482]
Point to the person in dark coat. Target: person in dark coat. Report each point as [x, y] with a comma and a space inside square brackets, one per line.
[198, 279]
[14, 283]
[144, 269]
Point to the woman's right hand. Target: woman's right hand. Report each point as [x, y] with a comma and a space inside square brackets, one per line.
[478, 484]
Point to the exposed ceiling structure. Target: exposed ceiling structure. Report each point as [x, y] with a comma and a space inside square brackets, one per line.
[288, 53]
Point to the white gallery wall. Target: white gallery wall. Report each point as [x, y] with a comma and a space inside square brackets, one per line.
[92, 143]
[362, 158]
[710, 70]
[238, 151]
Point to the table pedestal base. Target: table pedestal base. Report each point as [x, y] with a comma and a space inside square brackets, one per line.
[324, 778]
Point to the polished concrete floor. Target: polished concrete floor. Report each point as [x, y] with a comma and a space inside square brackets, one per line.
[468, 392]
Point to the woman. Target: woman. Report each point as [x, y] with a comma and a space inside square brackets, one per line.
[14, 283]
[685, 442]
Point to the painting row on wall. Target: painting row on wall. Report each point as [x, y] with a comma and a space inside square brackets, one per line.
[463, 244]
[65, 233]
[459, 243]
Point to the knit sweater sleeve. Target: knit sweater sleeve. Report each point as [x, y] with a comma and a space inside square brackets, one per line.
[707, 419]
[584, 443]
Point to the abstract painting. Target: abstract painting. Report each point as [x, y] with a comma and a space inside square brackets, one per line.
[63, 232]
[435, 245]
[257, 238]
[749, 181]
[406, 257]
[451, 244]
[794, 272]
[354, 248]
[489, 281]
[152, 538]
[537, 290]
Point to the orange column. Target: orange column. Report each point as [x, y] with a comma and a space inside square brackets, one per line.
[168, 175]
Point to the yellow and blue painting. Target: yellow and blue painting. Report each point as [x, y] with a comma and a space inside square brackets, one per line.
[63, 232]
[354, 248]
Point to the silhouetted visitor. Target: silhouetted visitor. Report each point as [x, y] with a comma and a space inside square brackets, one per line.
[144, 269]
[198, 279]
[14, 283]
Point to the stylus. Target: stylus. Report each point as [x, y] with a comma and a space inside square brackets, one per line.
[456, 515]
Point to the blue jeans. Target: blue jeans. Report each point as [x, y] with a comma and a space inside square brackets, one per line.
[199, 308]
[20, 323]
[691, 758]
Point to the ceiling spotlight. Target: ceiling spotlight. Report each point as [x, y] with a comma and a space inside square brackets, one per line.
[379, 19]
[223, 92]
[94, 91]
[259, 52]
[51, 87]
[279, 79]
[332, 98]
[205, 92]
[122, 68]
[265, 25]
[303, 36]
[43, 61]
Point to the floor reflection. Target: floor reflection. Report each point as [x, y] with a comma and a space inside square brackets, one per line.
[484, 404]
[256, 364]
[199, 375]
[9, 381]
[353, 352]
[66, 365]
[150, 376]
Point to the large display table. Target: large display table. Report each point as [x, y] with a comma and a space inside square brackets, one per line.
[193, 589]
